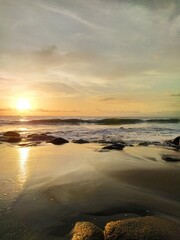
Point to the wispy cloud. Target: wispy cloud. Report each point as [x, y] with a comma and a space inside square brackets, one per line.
[175, 95]
[41, 110]
[69, 14]
[107, 99]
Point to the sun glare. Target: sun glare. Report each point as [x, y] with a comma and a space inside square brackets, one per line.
[23, 104]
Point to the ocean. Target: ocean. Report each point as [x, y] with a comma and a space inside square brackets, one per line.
[96, 129]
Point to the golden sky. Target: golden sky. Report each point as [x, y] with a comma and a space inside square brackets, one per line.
[90, 58]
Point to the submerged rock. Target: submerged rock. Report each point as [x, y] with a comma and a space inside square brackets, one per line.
[143, 228]
[114, 146]
[86, 231]
[11, 134]
[80, 141]
[59, 141]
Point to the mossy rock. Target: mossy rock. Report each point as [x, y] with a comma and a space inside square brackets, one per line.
[86, 231]
[143, 228]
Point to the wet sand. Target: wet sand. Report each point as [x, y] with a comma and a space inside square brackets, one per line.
[45, 190]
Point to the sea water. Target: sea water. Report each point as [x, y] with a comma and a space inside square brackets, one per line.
[95, 129]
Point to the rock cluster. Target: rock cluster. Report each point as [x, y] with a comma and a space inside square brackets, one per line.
[32, 139]
[141, 228]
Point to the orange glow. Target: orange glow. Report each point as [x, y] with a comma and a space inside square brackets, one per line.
[23, 104]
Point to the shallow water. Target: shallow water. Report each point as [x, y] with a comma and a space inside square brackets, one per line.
[46, 189]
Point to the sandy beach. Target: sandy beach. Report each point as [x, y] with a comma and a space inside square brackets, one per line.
[46, 189]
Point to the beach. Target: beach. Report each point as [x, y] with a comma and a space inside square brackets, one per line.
[46, 189]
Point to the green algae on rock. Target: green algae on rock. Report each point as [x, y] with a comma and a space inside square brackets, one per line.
[86, 231]
[142, 228]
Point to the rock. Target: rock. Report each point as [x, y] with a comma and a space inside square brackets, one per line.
[155, 143]
[142, 228]
[171, 158]
[80, 141]
[11, 134]
[176, 141]
[144, 144]
[115, 146]
[40, 137]
[13, 139]
[59, 141]
[86, 231]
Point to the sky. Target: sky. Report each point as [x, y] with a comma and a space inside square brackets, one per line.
[90, 57]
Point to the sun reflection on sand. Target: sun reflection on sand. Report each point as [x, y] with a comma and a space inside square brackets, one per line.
[23, 172]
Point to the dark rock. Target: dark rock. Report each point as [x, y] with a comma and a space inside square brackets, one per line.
[59, 141]
[86, 231]
[176, 141]
[144, 144]
[115, 146]
[13, 139]
[171, 158]
[155, 143]
[80, 141]
[11, 134]
[40, 137]
[142, 228]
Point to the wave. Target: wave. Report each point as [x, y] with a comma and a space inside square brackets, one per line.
[78, 121]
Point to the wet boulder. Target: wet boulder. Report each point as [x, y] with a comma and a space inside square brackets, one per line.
[11, 137]
[168, 158]
[176, 141]
[59, 141]
[11, 134]
[142, 228]
[86, 231]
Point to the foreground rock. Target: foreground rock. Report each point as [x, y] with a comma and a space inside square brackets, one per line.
[59, 141]
[114, 146]
[143, 228]
[86, 231]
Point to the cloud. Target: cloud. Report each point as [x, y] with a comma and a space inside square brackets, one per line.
[107, 99]
[5, 109]
[53, 111]
[153, 4]
[69, 14]
[175, 95]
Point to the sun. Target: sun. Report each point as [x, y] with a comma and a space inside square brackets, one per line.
[23, 104]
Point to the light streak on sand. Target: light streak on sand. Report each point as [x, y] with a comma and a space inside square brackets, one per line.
[23, 171]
